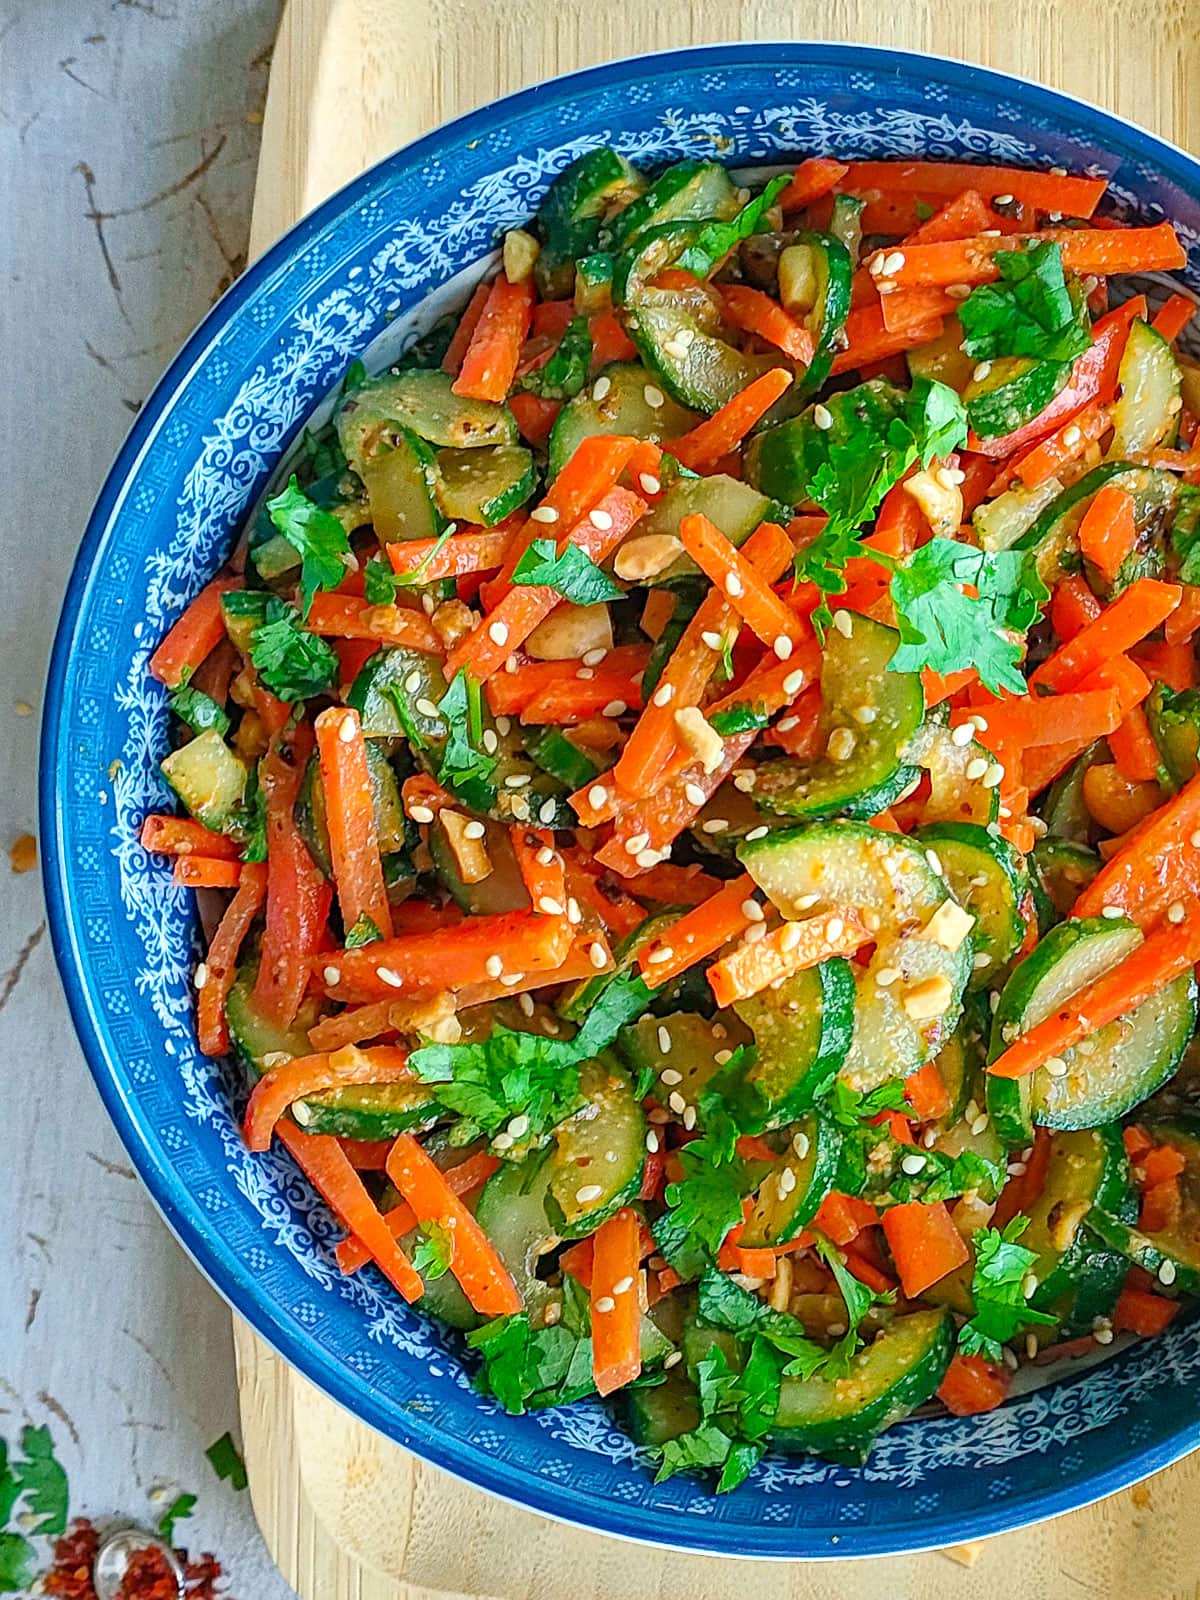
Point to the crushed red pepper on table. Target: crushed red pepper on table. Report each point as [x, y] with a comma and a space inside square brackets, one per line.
[147, 1577]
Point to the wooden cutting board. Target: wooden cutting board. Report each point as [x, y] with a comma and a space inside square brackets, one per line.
[346, 1514]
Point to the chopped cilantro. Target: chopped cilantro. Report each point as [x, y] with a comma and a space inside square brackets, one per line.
[293, 663]
[356, 376]
[18, 1564]
[182, 1506]
[226, 1461]
[199, 710]
[316, 534]
[254, 821]
[704, 1205]
[573, 574]
[1029, 312]
[716, 239]
[464, 760]
[564, 375]
[1001, 1310]
[945, 629]
[381, 585]
[361, 931]
[738, 719]
[41, 1482]
[434, 1251]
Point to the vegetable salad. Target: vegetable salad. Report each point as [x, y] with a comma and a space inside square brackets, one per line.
[701, 760]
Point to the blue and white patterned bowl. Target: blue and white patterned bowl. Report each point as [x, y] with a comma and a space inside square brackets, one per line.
[199, 455]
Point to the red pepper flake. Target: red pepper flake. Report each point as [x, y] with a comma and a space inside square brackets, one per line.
[147, 1577]
[71, 1576]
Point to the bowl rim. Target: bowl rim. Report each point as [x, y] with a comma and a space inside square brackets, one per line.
[516, 1485]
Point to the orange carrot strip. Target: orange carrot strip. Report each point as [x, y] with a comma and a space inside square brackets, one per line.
[523, 606]
[457, 348]
[750, 968]
[474, 1260]
[925, 1244]
[1030, 720]
[1174, 317]
[541, 868]
[1073, 607]
[1184, 622]
[534, 416]
[755, 312]
[1133, 748]
[748, 593]
[207, 872]
[221, 961]
[1172, 664]
[1108, 531]
[1134, 614]
[926, 1092]
[963, 216]
[1158, 960]
[350, 817]
[1158, 867]
[811, 179]
[181, 836]
[451, 958]
[463, 1180]
[699, 932]
[726, 428]
[868, 339]
[349, 616]
[1139, 1311]
[1065, 445]
[616, 1317]
[490, 361]
[907, 309]
[1045, 191]
[477, 551]
[670, 885]
[281, 1086]
[972, 1385]
[198, 632]
[1098, 251]
[329, 1171]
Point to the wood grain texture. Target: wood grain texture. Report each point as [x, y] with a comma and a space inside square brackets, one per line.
[347, 1515]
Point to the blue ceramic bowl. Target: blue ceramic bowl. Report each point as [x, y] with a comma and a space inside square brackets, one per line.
[199, 455]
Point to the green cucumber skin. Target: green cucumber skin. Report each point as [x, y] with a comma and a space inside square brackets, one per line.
[775, 1090]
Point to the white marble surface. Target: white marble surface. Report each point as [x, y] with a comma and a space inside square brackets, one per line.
[128, 141]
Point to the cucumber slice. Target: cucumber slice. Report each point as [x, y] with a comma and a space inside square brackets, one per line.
[889, 876]
[402, 489]
[686, 358]
[1149, 393]
[622, 408]
[420, 400]
[1078, 1278]
[802, 1031]
[599, 1153]
[961, 1059]
[1002, 521]
[791, 1193]
[898, 1372]
[593, 285]
[953, 797]
[958, 1138]
[690, 1057]
[582, 996]
[1174, 717]
[877, 712]
[1173, 1255]
[252, 1035]
[734, 507]
[653, 251]
[943, 359]
[558, 754]
[1053, 537]
[845, 224]
[1065, 811]
[687, 191]
[484, 486]
[512, 1212]
[783, 460]
[990, 881]
[503, 889]
[568, 219]
[310, 811]
[828, 270]
[1185, 532]
[663, 1411]
[1070, 957]
[1063, 870]
[208, 778]
[1015, 390]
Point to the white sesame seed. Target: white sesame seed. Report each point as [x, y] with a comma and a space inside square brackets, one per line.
[598, 955]
[711, 638]
[420, 813]
[649, 482]
[1029, 1285]
[347, 729]
[332, 975]
[623, 1285]
[1111, 912]
[651, 1142]
[548, 810]
[733, 585]
[659, 954]
[676, 1101]
[605, 1304]
[760, 832]
[755, 932]
[1194, 841]
[574, 914]
[1176, 912]
[694, 794]
[800, 1143]
[714, 825]
[549, 906]
[1002, 200]
[745, 780]
[782, 647]
[689, 1117]
[982, 371]
[673, 1360]
[200, 976]
[491, 741]
[912, 1164]
[980, 960]
[805, 901]
[822, 417]
[1166, 1272]
[786, 724]
[474, 830]
[519, 1126]
[962, 735]
[1031, 1345]
[787, 1182]
[525, 1001]
[929, 1138]
[503, 1141]
[601, 387]
[653, 397]
[498, 633]
[493, 966]
[427, 708]
[752, 911]
[648, 858]
[593, 658]
[994, 776]
[597, 795]
[980, 1123]
[977, 768]
[518, 780]
[722, 1056]
[543, 514]
[841, 745]
[614, 708]
[636, 842]
[794, 682]
[843, 622]
[670, 1077]
[835, 927]
[600, 519]
[978, 722]
[392, 979]
[959, 291]
[1102, 1334]
[893, 264]
[790, 936]
[1072, 436]
[887, 976]
[935, 861]
[412, 683]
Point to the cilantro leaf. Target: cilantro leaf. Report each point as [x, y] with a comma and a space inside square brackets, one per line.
[945, 629]
[362, 931]
[41, 1481]
[1001, 1309]
[703, 1206]
[293, 663]
[355, 377]
[199, 710]
[738, 719]
[182, 1506]
[226, 1461]
[703, 1447]
[316, 534]
[254, 820]
[564, 375]
[528, 1368]
[848, 1107]
[434, 1251]
[463, 758]
[18, 1564]
[573, 574]
[1029, 312]
[381, 585]
[716, 239]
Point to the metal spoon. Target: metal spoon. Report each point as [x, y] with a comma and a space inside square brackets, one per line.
[112, 1559]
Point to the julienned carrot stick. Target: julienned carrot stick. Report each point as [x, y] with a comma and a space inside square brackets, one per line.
[328, 1169]
[1073, 607]
[1133, 748]
[811, 179]
[1046, 191]
[181, 836]
[477, 551]
[588, 955]
[755, 312]
[534, 416]
[541, 867]
[462, 1180]
[616, 1315]
[199, 630]
[281, 1086]
[1142, 1312]
[1108, 531]
[349, 616]
[1135, 613]
[1066, 444]
[972, 1385]
[1158, 867]
[701, 931]
[510, 623]
[474, 1260]
[750, 968]
[1174, 317]
[508, 693]
[670, 885]
[726, 428]
[571, 700]
[1184, 621]
[723, 564]
[207, 872]
[221, 961]
[926, 1092]
[457, 348]
[490, 360]
[1161, 958]
[1098, 251]
[1030, 720]
[967, 213]
[360, 1024]
[350, 818]
[868, 339]
[925, 1244]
